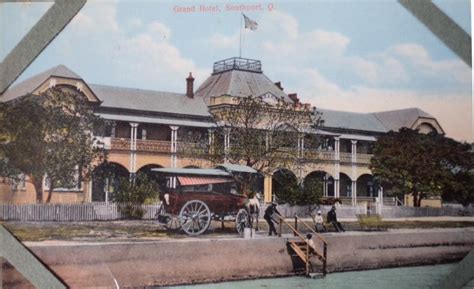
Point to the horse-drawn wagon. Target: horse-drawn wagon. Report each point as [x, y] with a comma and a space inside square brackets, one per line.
[192, 197]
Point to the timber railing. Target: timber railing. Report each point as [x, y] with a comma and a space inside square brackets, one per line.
[302, 248]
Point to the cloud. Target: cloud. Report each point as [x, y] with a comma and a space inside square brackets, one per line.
[320, 67]
[452, 110]
[148, 55]
[159, 29]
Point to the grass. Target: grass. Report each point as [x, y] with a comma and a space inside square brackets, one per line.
[146, 230]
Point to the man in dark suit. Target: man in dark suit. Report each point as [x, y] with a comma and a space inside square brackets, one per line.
[332, 219]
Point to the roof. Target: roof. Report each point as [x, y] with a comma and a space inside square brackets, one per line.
[158, 120]
[30, 84]
[236, 168]
[185, 171]
[396, 119]
[238, 83]
[149, 100]
[351, 120]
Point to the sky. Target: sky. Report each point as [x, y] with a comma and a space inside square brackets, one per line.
[360, 56]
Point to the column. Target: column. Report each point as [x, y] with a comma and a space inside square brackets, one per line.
[325, 185]
[300, 146]
[354, 172]
[112, 129]
[210, 133]
[267, 189]
[337, 159]
[380, 201]
[133, 149]
[174, 145]
[226, 144]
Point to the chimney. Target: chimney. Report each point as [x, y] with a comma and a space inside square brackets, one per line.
[278, 84]
[294, 97]
[190, 86]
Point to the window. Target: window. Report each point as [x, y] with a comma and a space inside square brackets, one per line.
[19, 184]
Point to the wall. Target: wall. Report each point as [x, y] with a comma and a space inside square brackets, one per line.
[434, 203]
[193, 260]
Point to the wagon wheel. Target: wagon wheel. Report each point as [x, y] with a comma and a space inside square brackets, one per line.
[195, 217]
[242, 221]
[172, 223]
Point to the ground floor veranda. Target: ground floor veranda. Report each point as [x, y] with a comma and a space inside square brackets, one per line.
[351, 182]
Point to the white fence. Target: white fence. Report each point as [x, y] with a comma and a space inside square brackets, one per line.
[404, 212]
[68, 212]
[109, 211]
[386, 211]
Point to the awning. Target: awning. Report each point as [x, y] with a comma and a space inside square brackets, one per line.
[192, 181]
[236, 168]
[156, 120]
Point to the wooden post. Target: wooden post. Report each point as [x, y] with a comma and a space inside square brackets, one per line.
[296, 225]
[307, 259]
[281, 227]
[325, 255]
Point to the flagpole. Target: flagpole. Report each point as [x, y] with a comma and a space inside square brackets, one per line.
[240, 38]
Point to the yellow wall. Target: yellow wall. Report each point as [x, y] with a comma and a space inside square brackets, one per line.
[434, 203]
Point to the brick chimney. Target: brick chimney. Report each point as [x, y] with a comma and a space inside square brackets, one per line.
[294, 97]
[190, 86]
[278, 84]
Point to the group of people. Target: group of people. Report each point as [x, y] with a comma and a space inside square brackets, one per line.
[331, 218]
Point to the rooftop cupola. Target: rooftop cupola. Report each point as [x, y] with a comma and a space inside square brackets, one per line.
[237, 63]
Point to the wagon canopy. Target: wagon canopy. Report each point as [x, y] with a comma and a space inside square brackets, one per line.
[192, 181]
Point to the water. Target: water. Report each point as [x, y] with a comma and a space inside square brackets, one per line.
[396, 278]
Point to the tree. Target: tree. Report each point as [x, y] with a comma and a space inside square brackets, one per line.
[461, 190]
[312, 192]
[49, 135]
[262, 135]
[131, 195]
[286, 187]
[419, 164]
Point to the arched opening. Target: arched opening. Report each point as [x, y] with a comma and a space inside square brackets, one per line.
[326, 181]
[106, 179]
[345, 185]
[426, 128]
[285, 185]
[366, 186]
[147, 170]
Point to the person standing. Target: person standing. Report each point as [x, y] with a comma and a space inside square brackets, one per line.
[253, 208]
[332, 219]
[268, 216]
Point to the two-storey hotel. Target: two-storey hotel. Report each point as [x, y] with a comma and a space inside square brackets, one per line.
[151, 129]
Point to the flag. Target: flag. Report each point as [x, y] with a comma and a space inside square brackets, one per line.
[249, 23]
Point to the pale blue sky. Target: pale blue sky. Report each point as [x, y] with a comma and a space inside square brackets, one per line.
[348, 55]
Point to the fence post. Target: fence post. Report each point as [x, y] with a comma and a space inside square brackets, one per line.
[325, 255]
[296, 225]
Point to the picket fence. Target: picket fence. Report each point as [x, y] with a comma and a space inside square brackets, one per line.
[109, 211]
[69, 212]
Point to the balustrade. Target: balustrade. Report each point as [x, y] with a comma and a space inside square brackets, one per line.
[187, 148]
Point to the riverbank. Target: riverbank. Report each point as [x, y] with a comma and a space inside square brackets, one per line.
[127, 230]
[213, 259]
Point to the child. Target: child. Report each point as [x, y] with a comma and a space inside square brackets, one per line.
[319, 223]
